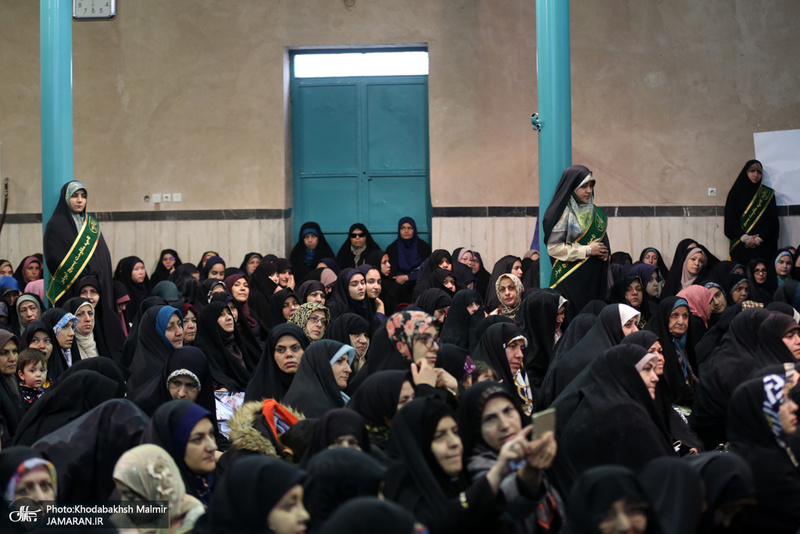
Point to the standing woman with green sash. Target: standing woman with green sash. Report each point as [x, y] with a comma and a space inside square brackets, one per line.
[751, 216]
[575, 233]
[74, 248]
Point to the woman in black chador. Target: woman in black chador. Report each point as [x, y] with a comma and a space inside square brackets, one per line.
[71, 225]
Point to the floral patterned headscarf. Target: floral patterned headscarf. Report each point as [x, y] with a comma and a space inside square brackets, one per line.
[405, 327]
[150, 473]
[300, 317]
[23, 469]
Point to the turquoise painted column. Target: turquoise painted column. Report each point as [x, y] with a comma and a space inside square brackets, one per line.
[55, 20]
[554, 121]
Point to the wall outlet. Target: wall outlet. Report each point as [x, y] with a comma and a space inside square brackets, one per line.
[712, 191]
[176, 197]
[166, 197]
[156, 197]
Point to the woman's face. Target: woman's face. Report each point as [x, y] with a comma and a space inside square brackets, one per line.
[406, 231]
[755, 172]
[624, 516]
[28, 312]
[77, 202]
[472, 307]
[507, 292]
[341, 371]
[290, 305]
[174, 331]
[36, 484]
[32, 271]
[426, 346]
[138, 273]
[585, 192]
[561, 314]
[760, 273]
[252, 264]
[168, 261]
[288, 353]
[514, 354]
[317, 296]
[792, 342]
[650, 258]
[500, 422]
[6, 270]
[441, 314]
[289, 516]
[444, 263]
[694, 263]
[234, 311]
[89, 292]
[740, 293]
[407, 394]
[374, 283]
[360, 342]
[358, 238]
[41, 341]
[85, 315]
[240, 290]
[316, 325]
[357, 287]
[784, 266]
[386, 267]
[183, 387]
[8, 358]
[658, 350]
[634, 294]
[189, 327]
[650, 376]
[199, 454]
[284, 277]
[449, 283]
[446, 446]
[631, 326]
[516, 269]
[679, 321]
[787, 415]
[466, 258]
[66, 335]
[718, 302]
[310, 241]
[475, 264]
[225, 320]
[217, 271]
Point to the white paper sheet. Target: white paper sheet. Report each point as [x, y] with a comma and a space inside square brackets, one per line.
[779, 153]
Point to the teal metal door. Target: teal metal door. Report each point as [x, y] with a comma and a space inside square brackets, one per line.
[360, 154]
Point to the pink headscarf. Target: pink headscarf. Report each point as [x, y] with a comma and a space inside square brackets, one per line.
[699, 299]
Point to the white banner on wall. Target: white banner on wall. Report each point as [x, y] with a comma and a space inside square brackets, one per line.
[779, 153]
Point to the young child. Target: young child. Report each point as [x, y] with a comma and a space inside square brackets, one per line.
[482, 372]
[32, 372]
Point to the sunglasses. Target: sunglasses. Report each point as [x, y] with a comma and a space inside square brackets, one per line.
[356, 234]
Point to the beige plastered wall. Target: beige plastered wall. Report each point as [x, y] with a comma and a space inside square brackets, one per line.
[190, 96]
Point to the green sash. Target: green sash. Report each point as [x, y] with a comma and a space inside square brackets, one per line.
[75, 261]
[756, 208]
[596, 230]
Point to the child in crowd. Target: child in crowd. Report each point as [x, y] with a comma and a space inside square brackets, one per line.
[32, 372]
[482, 372]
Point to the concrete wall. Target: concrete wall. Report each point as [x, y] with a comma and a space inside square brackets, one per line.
[191, 97]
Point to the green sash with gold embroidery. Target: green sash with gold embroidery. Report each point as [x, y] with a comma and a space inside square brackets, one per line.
[596, 230]
[78, 256]
[753, 213]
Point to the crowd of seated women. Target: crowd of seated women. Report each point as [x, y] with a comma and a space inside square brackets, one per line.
[397, 390]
